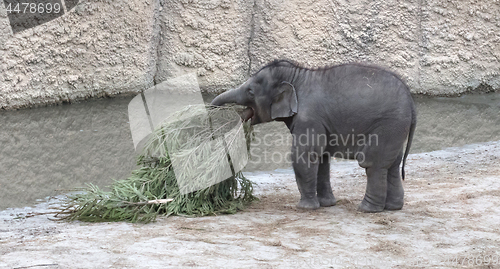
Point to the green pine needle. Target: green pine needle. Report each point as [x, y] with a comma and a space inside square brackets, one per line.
[152, 190]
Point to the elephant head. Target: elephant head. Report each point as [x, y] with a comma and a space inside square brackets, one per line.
[266, 95]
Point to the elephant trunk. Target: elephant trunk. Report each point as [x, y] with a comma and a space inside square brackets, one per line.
[231, 96]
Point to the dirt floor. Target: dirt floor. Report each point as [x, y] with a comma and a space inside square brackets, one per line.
[450, 219]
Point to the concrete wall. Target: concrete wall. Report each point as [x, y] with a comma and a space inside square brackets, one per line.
[109, 47]
[99, 48]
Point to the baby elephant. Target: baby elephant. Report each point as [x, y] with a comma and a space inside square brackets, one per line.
[351, 111]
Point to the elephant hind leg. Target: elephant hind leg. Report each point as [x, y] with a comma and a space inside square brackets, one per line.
[376, 190]
[395, 191]
[324, 189]
[381, 160]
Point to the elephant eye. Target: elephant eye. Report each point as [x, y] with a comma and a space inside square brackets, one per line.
[250, 92]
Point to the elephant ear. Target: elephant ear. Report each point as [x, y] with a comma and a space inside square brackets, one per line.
[284, 103]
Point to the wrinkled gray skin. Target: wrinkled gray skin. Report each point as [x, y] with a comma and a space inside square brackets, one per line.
[355, 111]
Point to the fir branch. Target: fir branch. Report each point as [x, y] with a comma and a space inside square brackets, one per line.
[152, 189]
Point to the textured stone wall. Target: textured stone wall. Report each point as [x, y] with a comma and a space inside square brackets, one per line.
[460, 44]
[109, 47]
[208, 37]
[99, 48]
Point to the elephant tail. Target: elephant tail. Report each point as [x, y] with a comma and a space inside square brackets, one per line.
[410, 139]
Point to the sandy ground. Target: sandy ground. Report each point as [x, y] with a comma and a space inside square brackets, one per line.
[450, 219]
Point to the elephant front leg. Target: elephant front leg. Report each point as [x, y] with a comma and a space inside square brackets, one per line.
[324, 189]
[376, 191]
[306, 171]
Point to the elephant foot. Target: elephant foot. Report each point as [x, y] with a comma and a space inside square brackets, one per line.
[308, 204]
[327, 201]
[394, 205]
[395, 199]
[367, 207]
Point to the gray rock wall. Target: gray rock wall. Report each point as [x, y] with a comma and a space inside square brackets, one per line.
[99, 48]
[104, 48]
[208, 37]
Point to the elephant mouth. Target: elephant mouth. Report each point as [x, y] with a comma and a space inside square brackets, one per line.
[248, 114]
